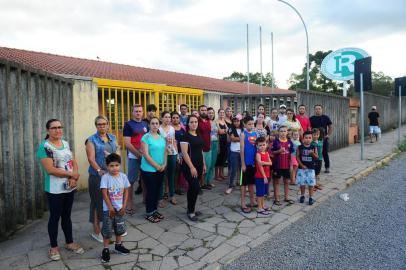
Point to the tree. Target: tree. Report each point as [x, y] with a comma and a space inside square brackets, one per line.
[255, 78]
[381, 84]
[318, 82]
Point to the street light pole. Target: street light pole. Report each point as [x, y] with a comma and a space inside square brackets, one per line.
[307, 43]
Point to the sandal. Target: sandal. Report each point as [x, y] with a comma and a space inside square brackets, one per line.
[152, 219]
[158, 215]
[289, 201]
[246, 210]
[318, 187]
[54, 255]
[162, 204]
[263, 213]
[130, 212]
[74, 247]
[173, 201]
[278, 203]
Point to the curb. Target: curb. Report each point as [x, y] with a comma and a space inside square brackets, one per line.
[351, 180]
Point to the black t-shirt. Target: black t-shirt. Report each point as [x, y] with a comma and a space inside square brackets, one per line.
[373, 118]
[195, 148]
[305, 157]
[322, 121]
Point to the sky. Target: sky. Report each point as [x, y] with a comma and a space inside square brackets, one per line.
[207, 37]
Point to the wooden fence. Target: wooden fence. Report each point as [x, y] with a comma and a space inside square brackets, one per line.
[28, 99]
[336, 107]
[388, 108]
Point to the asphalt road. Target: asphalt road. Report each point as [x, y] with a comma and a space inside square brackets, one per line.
[366, 232]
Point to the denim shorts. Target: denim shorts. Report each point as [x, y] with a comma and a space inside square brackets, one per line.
[134, 166]
[116, 224]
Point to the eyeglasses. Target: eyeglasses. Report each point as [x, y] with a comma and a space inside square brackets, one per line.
[55, 128]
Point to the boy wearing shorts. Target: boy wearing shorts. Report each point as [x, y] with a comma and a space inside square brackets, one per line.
[282, 149]
[248, 151]
[262, 175]
[306, 156]
[114, 186]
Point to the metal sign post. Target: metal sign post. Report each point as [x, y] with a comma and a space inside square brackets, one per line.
[361, 93]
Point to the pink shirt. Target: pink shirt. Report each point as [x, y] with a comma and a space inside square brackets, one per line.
[304, 122]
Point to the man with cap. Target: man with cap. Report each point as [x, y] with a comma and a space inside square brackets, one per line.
[282, 116]
[374, 129]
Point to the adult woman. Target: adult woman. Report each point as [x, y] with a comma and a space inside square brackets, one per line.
[98, 146]
[292, 123]
[179, 133]
[193, 165]
[153, 164]
[213, 145]
[61, 174]
[222, 138]
[168, 132]
[228, 118]
[261, 128]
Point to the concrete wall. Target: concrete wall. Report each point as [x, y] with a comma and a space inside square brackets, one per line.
[85, 110]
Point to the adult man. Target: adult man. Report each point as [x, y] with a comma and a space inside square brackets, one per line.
[132, 134]
[374, 129]
[282, 116]
[303, 119]
[183, 114]
[151, 110]
[261, 109]
[205, 132]
[323, 122]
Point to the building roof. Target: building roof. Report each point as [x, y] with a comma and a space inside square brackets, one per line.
[64, 65]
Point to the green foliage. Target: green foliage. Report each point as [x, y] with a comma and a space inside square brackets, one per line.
[254, 78]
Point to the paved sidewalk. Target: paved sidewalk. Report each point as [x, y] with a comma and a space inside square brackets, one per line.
[223, 234]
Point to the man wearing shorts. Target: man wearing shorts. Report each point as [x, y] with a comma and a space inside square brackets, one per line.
[374, 129]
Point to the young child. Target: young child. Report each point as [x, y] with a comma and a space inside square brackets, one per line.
[272, 137]
[114, 186]
[306, 155]
[235, 160]
[248, 151]
[282, 149]
[316, 142]
[296, 142]
[262, 175]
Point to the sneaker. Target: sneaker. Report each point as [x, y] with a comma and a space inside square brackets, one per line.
[97, 237]
[311, 201]
[228, 191]
[302, 199]
[121, 249]
[139, 189]
[327, 170]
[124, 234]
[105, 257]
[206, 187]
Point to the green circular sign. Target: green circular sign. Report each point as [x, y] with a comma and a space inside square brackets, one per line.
[339, 65]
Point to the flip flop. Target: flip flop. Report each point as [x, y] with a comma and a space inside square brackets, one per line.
[130, 212]
[246, 210]
[263, 213]
[289, 201]
[152, 219]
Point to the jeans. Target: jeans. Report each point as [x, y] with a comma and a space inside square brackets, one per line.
[235, 163]
[170, 175]
[60, 207]
[153, 183]
[210, 170]
[326, 158]
[207, 160]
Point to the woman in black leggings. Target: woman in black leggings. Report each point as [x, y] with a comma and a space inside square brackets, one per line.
[193, 166]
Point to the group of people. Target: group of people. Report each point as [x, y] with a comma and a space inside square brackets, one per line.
[178, 152]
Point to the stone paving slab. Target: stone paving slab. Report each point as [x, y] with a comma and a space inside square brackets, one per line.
[223, 234]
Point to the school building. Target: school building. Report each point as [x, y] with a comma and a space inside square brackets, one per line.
[111, 89]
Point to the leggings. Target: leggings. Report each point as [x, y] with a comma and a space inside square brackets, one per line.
[170, 175]
[153, 183]
[194, 188]
[60, 207]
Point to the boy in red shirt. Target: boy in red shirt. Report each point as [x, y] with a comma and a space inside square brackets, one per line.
[262, 175]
